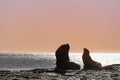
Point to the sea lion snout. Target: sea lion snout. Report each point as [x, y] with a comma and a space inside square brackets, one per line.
[86, 50]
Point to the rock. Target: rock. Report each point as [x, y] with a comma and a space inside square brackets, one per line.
[88, 62]
[15, 79]
[114, 67]
[62, 58]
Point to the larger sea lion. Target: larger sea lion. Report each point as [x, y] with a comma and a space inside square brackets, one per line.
[62, 58]
[89, 63]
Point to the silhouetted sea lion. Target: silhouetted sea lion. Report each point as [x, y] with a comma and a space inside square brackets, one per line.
[88, 62]
[62, 58]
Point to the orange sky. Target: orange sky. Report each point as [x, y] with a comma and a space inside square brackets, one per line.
[43, 25]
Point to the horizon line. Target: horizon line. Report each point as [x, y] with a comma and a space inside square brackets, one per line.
[54, 52]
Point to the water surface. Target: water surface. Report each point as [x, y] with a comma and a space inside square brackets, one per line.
[43, 61]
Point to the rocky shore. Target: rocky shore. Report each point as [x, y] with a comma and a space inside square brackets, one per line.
[111, 72]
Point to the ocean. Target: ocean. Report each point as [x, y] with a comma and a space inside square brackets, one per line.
[48, 60]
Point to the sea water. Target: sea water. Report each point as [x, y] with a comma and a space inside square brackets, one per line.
[48, 60]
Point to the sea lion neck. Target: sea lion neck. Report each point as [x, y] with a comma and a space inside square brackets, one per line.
[86, 54]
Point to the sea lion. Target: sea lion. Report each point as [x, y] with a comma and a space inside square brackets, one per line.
[62, 58]
[88, 62]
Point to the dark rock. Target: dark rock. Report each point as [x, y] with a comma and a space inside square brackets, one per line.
[15, 79]
[114, 67]
[115, 75]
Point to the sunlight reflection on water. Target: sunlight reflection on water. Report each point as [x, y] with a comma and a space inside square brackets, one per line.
[31, 61]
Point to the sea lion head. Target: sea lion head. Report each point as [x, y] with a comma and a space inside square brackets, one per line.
[63, 49]
[86, 51]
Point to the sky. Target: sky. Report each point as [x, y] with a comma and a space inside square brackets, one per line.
[43, 25]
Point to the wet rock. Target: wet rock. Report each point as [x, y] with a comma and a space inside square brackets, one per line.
[114, 67]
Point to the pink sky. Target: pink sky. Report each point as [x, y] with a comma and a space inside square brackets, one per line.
[43, 25]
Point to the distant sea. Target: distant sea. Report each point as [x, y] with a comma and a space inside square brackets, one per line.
[48, 60]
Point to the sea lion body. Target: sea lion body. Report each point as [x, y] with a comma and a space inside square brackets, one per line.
[89, 63]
